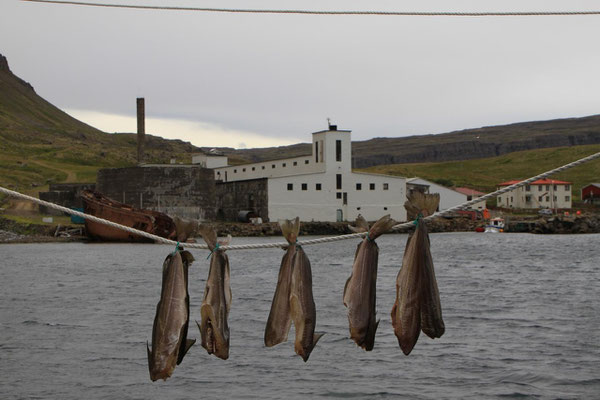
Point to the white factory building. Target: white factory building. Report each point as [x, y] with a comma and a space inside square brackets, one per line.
[320, 186]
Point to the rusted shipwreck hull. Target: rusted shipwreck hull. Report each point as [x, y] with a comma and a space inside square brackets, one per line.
[103, 207]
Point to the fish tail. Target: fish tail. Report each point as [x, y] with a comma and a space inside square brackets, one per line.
[361, 225]
[290, 229]
[380, 227]
[421, 203]
[209, 235]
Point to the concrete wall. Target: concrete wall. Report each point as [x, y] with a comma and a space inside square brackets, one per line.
[177, 190]
[249, 195]
[64, 194]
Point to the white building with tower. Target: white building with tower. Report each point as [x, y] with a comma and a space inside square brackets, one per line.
[317, 187]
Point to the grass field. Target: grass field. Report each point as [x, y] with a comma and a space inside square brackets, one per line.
[485, 174]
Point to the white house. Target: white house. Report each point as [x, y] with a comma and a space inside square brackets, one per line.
[448, 197]
[543, 193]
[321, 186]
[210, 159]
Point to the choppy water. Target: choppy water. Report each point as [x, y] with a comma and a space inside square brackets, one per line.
[522, 315]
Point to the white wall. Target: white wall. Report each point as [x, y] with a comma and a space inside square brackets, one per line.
[323, 205]
[209, 161]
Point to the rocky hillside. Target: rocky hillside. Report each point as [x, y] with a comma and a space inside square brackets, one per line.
[454, 146]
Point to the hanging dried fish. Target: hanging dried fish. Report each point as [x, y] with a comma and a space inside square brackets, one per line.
[169, 332]
[217, 298]
[360, 290]
[417, 305]
[279, 321]
[302, 305]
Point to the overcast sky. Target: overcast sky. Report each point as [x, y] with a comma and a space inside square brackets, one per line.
[245, 80]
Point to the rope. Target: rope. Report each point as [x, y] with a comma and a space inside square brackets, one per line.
[303, 242]
[326, 12]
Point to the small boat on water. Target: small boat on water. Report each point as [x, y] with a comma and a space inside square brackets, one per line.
[496, 225]
[150, 221]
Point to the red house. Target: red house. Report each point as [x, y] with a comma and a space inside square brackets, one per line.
[590, 194]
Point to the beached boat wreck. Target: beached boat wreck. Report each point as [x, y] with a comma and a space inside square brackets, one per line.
[150, 221]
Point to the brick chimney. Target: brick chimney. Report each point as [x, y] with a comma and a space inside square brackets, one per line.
[141, 129]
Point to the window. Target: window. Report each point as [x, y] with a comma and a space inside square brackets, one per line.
[304, 186]
[499, 199]
[547, 198]
[243, 169]
[290, 186]
[527, 188]
[338, 181]
[541, 198]
[469, 198]
[317, 152]
[386, 186]
[547, 187]
[272, 165]
[253, 168]
[555, 187]
[318, 186]
[567, 187]
[235, 171]
[345, 201]
[371, 186]
[359, 186]
[306, 161]
[511, 199]
[528, 199]
[263, 167]
[283, 165]
[540, 188]
[554, 198]
[567, 198]
[295, 163]
[338, 195]
[338, 150]
[385, 208]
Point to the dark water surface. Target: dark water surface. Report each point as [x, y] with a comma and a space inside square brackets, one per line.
[522, 316]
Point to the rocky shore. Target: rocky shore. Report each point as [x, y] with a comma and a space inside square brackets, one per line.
[17, 232]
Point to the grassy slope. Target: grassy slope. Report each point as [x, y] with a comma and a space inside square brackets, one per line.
[484, 174]
[40, 144]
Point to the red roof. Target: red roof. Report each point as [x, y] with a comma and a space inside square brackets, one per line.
[538, 182]
[468, 191]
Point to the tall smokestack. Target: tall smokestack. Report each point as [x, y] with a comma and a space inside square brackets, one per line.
[141, 129]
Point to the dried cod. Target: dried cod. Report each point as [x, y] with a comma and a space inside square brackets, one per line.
[279, 321]
[169, 332]
[360, 290]
[217, 298]
[417, 305]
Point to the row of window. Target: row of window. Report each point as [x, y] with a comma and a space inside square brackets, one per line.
[541, 187]
[273, 166]
[528, 198]
[304, 186]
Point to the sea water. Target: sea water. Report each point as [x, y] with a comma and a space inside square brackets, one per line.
[522, 316]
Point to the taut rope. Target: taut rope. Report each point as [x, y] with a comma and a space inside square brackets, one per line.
[408, 224]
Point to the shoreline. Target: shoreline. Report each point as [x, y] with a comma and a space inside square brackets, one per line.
[18, 232]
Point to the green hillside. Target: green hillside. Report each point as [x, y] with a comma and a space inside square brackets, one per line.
[484, 174]
[40, 144]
